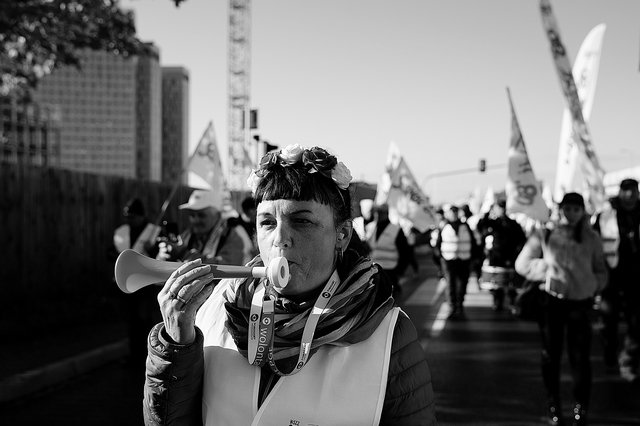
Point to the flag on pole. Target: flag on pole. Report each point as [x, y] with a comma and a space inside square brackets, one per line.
[398, 188]
[205, 163]
[522, 188]
[589, 164]
[569, 177]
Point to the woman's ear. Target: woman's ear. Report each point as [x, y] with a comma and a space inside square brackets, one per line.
[344, 234]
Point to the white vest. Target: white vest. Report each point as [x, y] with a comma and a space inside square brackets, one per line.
[383, 250]
[343, 385]
[455, 246]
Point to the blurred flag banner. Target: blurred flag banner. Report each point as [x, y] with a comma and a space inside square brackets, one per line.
[408, 205]
[205, 163]
[588, 160]
[569, 177]
[522, 188]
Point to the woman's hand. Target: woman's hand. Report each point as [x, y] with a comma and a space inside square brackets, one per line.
[182, 295]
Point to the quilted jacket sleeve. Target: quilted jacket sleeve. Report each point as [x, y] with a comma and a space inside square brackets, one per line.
[173, 385]
[409, 399]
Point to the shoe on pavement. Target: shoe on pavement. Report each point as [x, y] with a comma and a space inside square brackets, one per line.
[579, 415]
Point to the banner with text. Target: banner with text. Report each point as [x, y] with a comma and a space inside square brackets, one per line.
[205, 163]
[569, 177]
[408, 205]
[589, 164]
[522, 188]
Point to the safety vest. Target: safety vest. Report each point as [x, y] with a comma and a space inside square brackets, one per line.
[340, 385]
[610, 234]
[383, 249]
[455, 246]
[122, 238]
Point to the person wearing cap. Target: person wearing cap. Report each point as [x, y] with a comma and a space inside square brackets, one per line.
[618, 223]
[141, 307]
[569, 261]
[327, 347]
[388, 245]
[456, 244]
[502, 238]
[210, 237]
[137, 233]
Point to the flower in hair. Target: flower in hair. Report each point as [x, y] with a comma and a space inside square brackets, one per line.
[314, 160]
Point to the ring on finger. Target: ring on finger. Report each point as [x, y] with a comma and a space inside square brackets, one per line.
[181, 299]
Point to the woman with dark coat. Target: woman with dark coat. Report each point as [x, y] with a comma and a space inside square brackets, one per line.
[329, 348]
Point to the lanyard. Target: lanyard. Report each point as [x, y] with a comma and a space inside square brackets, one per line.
[261, 326]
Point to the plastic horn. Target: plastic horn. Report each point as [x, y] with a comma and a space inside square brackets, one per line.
[134, 271]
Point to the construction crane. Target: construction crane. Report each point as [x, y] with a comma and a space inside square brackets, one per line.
[239, 90]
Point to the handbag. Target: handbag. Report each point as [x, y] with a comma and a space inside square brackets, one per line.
[528, 303]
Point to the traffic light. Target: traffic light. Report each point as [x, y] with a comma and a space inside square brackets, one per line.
[483, 165]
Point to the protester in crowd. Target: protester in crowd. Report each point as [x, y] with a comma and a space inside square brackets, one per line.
[141, 307]
[388, 246]
[359, 362]
[434, 234]
[503, 238]
[619, 225]
[477, 256]
[366, 216]
[412, 236]
[209, 237]
[455, 244]
[247, 219]
[570, 262]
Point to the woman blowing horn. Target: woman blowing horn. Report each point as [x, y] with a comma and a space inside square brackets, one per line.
[329, 348]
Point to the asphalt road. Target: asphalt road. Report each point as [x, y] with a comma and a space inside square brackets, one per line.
[485, 372]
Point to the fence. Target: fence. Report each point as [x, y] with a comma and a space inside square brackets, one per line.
[55, 228]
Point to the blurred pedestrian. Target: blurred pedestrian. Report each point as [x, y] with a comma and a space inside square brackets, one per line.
[141, 307]
[503, 238]
[209, 237]
[388, 245]
[619, 225]
[455, 244]
[247, 219]
[434, 235]
[570, 262]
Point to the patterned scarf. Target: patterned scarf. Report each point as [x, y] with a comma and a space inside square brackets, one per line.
[359, 304]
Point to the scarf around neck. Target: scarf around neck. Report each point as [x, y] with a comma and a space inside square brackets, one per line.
[360, 302]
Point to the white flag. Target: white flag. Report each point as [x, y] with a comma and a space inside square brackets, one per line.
[205, 162]
[408, 205]
[569, 177]
[589, 163]
[522, 188]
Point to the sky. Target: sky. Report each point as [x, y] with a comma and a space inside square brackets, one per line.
[431, 76]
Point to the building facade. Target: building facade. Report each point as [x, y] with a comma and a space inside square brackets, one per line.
[175, 123]
[110, 114]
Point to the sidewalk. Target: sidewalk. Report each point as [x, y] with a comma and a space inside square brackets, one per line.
[44, 360]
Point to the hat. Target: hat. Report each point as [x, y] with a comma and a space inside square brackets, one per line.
[629, 183]
[572, 198]
[201, 199]
[134, 207]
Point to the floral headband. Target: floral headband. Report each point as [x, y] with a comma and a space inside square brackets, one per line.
[316, 160]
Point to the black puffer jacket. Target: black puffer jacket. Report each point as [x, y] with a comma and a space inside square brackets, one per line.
[173, 388]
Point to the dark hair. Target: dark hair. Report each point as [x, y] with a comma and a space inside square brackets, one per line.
[296, 183]
[248, 203]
